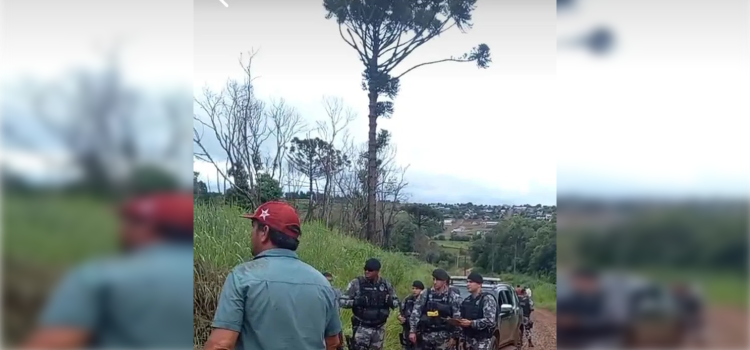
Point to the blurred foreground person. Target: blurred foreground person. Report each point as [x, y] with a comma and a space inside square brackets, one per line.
[527, 307]
[407, 307]
[478, 315]
[371, 299]
[275, 301]
[140, 299]
[582, 317]
[432, 309]
[690, 308]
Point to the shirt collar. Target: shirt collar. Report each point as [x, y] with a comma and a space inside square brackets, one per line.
[278, 252]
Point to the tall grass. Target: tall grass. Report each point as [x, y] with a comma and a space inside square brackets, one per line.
[222, 241]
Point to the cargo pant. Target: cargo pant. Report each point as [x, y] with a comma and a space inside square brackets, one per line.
[369, 338]
[435, 341]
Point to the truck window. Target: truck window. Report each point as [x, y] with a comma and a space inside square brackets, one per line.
[508, 297]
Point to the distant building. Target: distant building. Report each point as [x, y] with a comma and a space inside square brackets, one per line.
[448, 222]
[490, 223]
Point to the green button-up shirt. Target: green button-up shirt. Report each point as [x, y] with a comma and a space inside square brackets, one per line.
[143, 299]
[278, 302]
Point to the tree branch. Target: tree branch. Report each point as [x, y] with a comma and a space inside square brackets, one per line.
[431, 62]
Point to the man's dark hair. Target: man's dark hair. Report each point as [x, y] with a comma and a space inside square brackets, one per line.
[279, 239]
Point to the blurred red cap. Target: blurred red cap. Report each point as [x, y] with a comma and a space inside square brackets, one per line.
[170, 209]
[278, 215]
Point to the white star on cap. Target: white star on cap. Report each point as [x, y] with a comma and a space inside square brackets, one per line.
[264, 213]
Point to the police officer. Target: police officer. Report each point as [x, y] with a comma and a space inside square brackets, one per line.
[371, 298]
[263, 300]
[416, 288]
[148, 287]
[478, 315]
[524, 302]
[432, 309]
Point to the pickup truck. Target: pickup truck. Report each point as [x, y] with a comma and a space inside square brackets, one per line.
[509, 317]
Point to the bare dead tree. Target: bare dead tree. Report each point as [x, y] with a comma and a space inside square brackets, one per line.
[236, 120]
[338, 118]
[349, 185]
[285, 124]
[294, 182]
[97, 120]
[391, 194]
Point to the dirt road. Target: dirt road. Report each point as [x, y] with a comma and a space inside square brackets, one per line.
[545, 330]
[726, 328]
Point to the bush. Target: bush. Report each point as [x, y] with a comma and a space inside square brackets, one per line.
[222, 241]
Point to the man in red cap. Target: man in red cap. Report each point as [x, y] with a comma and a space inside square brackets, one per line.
[275, 301]
[142, 298]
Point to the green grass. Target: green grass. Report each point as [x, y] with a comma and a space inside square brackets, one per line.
[57, 230]
[453, 247]
[720, 288]
[222, 241]
[454, 244]
[543, 293]
[54, 232]
[43, 235]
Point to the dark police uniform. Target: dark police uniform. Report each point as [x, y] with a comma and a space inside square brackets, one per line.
[481, 310]
[371, 303]
[431, 311]
[406, 309]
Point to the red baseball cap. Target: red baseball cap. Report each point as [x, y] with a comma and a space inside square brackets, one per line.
[280, 216]
[168, 209]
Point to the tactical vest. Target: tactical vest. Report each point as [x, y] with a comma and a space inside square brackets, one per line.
[435, 311]
[472, 308]
[375, 310]
[525, 304]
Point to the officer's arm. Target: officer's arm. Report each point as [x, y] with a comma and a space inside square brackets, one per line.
[416, 312]
[395, 303]
[230, 313]
[488, 314]
[70, 315]
[347, 299]
[456, 306]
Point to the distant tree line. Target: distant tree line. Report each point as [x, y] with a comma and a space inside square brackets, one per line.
[519, 245]
[707, 238]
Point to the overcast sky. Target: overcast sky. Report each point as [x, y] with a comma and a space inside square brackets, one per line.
[466, 134]
[666, 114]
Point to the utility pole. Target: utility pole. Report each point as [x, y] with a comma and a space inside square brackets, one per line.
[458, 257]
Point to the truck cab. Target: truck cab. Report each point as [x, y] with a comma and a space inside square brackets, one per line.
[509, 314]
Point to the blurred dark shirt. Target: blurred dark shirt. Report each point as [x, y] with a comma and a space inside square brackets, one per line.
[590, 321]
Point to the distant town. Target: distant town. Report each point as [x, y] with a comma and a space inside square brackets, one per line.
[471, 220]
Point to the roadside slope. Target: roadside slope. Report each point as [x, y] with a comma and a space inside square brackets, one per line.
[222, 241]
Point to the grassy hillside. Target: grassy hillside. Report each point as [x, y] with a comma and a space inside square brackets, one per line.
[46, 234]
[222, 241]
